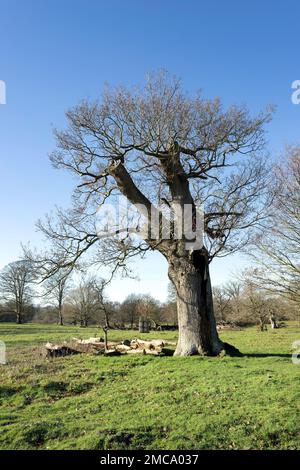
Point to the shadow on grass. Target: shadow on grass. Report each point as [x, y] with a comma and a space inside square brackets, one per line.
[267, 355]
[6, 392]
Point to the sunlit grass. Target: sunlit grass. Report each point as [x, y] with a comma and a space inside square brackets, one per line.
[146, 402]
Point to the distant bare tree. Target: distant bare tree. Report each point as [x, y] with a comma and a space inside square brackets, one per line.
[56, 290]
[259, 305]
[157, 146]
[234, 291]
[170, 308]
[128, 310]
[278, 255]
[84, 301]
[99, 288]
[16, 286]
[221, 304]
[148, 307]
[258, 308]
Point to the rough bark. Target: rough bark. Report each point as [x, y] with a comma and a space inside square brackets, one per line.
[60, 303]
[196, 321]
[60, 318]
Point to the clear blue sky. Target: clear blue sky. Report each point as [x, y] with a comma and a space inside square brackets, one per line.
[53, 53]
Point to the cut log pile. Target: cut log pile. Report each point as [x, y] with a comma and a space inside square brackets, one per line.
[227, 326]
[55, 350]
[112, 348]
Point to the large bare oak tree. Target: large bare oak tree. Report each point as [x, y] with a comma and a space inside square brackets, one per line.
[157, 145]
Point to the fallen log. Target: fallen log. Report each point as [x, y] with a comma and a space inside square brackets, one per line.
[141, 344]
[96, 344]
[153, 352]
[136, 351]
[123, 348]
[170, 343]
[112, 352]
[89, 340]
[88, 348]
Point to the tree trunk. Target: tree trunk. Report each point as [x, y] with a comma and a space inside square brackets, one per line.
[106, 315]
[60, 304]
[273, 322]
[60, 317]
[262, 325]
[19, 312]
[197, 327]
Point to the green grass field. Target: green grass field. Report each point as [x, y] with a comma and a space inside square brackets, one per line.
[147, 402]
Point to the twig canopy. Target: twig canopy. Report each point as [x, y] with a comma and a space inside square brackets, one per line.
[157, 146]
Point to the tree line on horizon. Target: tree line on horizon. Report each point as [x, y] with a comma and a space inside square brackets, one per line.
[62, 300]
[84, 303]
